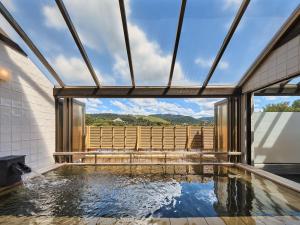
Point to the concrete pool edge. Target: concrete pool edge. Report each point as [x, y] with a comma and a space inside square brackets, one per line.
[270, 176]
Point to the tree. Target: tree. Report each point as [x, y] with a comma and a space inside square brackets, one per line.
[296, 105]
[278, 107]
[283, 107]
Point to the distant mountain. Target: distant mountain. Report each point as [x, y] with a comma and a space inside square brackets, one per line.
[108, 119]
[180, 119]
[177, 119]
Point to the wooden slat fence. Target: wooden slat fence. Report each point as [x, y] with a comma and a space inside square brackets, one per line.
[150, 137]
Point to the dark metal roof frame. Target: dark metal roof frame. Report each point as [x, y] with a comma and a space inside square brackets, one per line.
[288, 90]
[226, 41]
[180, 22]
[143, 92]
[126, 36]
[274, 88]
[12, 44]
[282, 88]
[30, 44]
[72, 29]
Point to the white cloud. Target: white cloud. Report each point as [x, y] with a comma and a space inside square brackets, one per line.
[100, 28]
[74, 70]
[95, 105]
[54, 17]
[207, 63]
[232, 4]
[155, 106]
[274, 98]
[71, 69]
[205, 104]
[150, 106]
[271, 98]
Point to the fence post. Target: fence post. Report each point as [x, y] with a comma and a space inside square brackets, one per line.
[151, 138]
[189, 138]
[137, 137]
[87, 137]
[174, 137]
[162, 138]
[101, 135]
[125, 133]
[202, 138]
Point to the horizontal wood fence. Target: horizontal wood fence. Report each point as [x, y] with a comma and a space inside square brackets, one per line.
[153, 138]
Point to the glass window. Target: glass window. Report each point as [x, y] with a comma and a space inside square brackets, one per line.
[10, 32]
[152, 29]
[205, 25]
[260, 22]
[99, 26]
[43, 23]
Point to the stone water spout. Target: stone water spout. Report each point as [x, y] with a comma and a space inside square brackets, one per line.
[11, 169]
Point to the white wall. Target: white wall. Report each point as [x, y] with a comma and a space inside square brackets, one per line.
[27, 111]
[276, 137]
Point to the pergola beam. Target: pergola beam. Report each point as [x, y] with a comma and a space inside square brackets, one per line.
[225, 43]
[127, 42]
[30, 44]
[180, 22]
[76, 38]
[144, 92]
[278, 90]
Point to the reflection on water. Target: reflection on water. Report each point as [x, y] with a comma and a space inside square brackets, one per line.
[144, 191]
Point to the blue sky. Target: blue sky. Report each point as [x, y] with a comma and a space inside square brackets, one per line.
[152, 28]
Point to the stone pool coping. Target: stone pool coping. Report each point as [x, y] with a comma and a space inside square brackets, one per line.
[271, 176]
[241, 220]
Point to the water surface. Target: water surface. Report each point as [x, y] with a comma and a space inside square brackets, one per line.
[149, 191]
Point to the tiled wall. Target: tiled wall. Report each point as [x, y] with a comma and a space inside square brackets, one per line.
[27, 111]
[283, 62]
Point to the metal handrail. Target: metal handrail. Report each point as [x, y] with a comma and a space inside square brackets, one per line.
[144, 153]
[132, 153]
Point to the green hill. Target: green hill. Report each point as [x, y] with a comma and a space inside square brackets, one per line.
[111, 119]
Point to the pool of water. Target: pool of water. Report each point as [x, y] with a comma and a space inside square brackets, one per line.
[149, 191]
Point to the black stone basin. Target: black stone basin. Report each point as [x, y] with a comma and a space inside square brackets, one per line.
[11, 169]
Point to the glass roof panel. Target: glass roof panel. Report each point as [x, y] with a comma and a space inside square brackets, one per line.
[12, 34]
[295, 80]
[43, 23]
[152, 29]
[260, 22]
[205, 25]
[99, 26]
